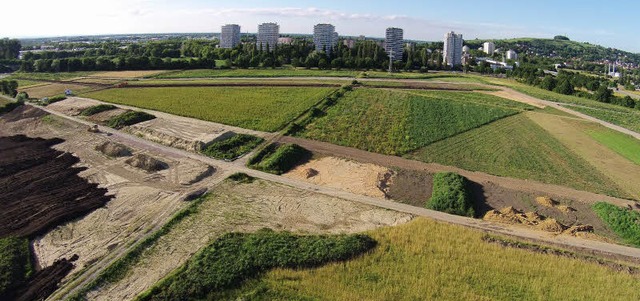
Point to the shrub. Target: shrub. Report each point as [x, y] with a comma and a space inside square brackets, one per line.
[232, 148]
[236, 257]
[129, 118]
[97, 109]
[279, 159]
[50, 100]
[241, 177]
[451, 194]
[15, 263]
[22, 96]
[10, 106]
[625, 223]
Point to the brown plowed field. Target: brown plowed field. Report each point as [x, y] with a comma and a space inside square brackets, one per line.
[40, 188]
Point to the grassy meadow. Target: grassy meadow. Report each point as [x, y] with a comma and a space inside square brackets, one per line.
[622, 144]
[427, 260]
[626, 118]
[256, 108]
[395, 122]
[517, 147]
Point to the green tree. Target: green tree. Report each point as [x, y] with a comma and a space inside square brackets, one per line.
[564, 87]
[603, 94]
[548, 83]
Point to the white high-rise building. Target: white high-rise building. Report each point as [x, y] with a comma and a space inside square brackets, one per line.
[324, 37]
[452, 54]
[230, 36]
[512, 55]
[394, 42]
[489, 48]
[268, 34]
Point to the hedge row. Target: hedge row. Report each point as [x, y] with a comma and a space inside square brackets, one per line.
[451, 195]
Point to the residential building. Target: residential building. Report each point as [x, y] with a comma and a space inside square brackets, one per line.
[452, 54]
[285, 40]
[466, 49]
[268, 34]
[350, 43]
[230, 36]
[512, 55]
[489, 48]
[324, 37]
[394, 42]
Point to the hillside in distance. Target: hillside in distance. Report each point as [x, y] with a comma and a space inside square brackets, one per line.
[561, 49]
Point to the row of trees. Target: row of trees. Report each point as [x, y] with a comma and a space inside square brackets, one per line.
[9, 87]
[9, 49]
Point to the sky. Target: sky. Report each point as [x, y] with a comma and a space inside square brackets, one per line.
[596, 22]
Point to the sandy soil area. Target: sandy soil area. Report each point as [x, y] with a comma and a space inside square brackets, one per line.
[54, 89]
[519, 97]
[359, 178]
[127, 74]
[71, 106]
[141, 200]
[246, 207]
[572, 134]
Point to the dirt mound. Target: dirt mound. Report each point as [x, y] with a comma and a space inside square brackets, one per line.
[579, 228]
[551, 225]
[39, 188]
[23, 112]
[310, 172]
[566, 209]
[112, 149]
[43, 283]
[546, 201]
[154, 135]
[147, 163]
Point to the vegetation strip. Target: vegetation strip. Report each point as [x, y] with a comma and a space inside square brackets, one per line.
[97, 109]
[236, 257]
[118, 269]
[15, 263]
[451, 195]
[129, 118]
[232, 148]
[624, 222]
[279, 159]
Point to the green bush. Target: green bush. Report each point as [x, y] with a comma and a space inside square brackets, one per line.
[97, 109]
[241, 177]
[236, 257]
[625, 223]
[279, 159]
[10, 106]
[129, 118]
[15, 263]
[22, 96]
[232, 148]
[53, 99]
[451, 194]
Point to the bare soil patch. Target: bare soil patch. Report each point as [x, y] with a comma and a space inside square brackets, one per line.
[246, 207]
[55, 89]
[71, 106]
[112, 149]
[355, 177]
[146, 163]
[411, 187]
[127, 74]
[519, 97]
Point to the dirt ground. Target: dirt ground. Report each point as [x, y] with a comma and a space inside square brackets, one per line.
[519, 97]
[141, 199]
[71, 106]
[54, 89]
[410, 186]
[246, 207]
[355, 177]
[127, 74]
[572, 133]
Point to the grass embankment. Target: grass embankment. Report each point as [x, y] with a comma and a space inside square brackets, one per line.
[278, 159]
[622, 144]
[395, 122]
[285, 72]
[129, 118]
[626, 118]
[257, 108]
[233, 147]
[451, 194]
[427, 260]
[118, 269]
[517, 147]
[15, 263]
[97, 109]
[235, 257]
[625, 223]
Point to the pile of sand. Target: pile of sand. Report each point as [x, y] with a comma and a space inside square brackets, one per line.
[355, 177]
[551, 225]
[550, 203]
[512, 216]
[147, 163]
[113, 149]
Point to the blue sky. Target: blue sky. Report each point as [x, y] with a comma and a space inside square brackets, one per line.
[597, 22]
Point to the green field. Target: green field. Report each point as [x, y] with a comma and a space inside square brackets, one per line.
[622, 144]
[286, 72]
[398, 121]
[257, 108]
[625, 223]
[426, 260]
[35, 76]
[240, 81]
[626, 118]
[517, 147]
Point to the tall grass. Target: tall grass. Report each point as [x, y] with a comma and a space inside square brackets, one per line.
[233, 147]
[427, 260]
[625, 223]
[15, 263]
